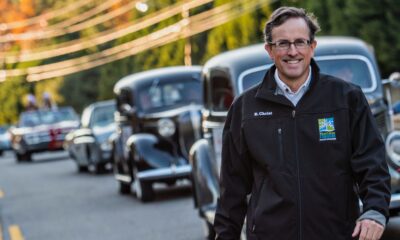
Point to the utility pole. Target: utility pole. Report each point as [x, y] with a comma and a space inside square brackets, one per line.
[188, 45]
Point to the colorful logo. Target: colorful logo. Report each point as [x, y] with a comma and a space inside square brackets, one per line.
[326, 129]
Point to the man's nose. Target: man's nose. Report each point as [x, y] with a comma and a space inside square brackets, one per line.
[292, 49]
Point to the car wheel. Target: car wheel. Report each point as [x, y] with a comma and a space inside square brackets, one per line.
[26, 157]
[97, 168]
[82, 169]
[100, 168]
[209, 230]
[124, 188]
[144, 191]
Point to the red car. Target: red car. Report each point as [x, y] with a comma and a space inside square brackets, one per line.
[42, 130]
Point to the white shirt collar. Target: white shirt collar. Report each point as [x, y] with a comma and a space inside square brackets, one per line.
[286, 89]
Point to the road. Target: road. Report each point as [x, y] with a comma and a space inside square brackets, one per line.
[48, 199]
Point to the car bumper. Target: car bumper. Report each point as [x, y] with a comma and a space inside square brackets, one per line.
[39, 147]
[161, 174]
[395, 201]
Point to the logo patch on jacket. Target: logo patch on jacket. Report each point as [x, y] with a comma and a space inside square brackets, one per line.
[326, 129]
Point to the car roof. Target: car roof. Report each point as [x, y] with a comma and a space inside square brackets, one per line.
[326, 45]
[102, 103]
[136, 79]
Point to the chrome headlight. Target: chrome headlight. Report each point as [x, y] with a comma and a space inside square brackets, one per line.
[105, 146]
[166, 127]
[392, 145]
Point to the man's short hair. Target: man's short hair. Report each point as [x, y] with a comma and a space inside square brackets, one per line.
[282, 14]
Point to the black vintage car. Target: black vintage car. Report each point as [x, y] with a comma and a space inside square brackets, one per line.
[42, 130]
[158, 119]
[227, 75]
[88, 146]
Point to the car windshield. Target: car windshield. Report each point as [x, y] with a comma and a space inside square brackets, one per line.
[103, 116]
[160, 95]
[353, 69]
[35, 118]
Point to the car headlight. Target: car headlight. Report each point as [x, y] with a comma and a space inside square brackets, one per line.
[166, 127]
[392, 145]
[105, 146]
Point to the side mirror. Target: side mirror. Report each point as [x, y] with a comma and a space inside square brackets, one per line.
[393, 80]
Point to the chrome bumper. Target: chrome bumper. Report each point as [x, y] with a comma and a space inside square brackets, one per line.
[395, 201]
[173, 172]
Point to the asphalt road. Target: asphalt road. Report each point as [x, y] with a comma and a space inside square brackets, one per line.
[48, 199]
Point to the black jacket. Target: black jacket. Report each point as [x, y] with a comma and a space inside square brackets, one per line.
[304, 166]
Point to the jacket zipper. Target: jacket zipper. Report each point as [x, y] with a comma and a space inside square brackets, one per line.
[253, 227]
[298, 175]
[280, 145]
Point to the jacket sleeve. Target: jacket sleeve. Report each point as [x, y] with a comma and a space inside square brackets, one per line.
[235, 180]
[368, 157]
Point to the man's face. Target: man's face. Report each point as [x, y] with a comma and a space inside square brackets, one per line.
[293, 63]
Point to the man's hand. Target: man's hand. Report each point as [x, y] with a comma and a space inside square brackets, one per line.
[368, 230]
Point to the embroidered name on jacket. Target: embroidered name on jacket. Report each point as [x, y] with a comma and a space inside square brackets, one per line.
[258, 114]
[326, 129]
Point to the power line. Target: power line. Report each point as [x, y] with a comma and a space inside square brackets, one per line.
[105, 36]
[196, 24]
[67, 27]
[164, 36]
[45, 16]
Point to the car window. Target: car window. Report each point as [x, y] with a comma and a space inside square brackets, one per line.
[221, 91]
[160, 95]
[103, 116]
[34, 118]
[355, 69]
[252, 77]
[29, 119]
[66, 114]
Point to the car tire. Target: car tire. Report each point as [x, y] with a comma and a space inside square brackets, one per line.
[26, 157]
[209, 230]
[100, 168]
[124, 188]
[144, 190]
[82, 169]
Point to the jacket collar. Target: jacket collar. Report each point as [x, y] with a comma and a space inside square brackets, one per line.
[267, 89]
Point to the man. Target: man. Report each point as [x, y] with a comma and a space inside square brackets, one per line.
[308, 157]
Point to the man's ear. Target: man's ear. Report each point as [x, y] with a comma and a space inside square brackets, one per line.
[268, 48]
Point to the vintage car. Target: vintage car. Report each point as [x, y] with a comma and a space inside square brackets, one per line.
[229, 74]
[158, 119]
[42, 130]
[5, 139]
[88, 146]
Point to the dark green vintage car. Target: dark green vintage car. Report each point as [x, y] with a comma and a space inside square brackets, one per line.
[158, 119]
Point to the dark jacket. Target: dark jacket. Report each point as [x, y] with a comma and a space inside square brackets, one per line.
[304, 166]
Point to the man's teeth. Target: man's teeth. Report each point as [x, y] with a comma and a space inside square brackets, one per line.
[293, 61]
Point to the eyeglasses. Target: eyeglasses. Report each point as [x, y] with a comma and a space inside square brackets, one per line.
[285, 44]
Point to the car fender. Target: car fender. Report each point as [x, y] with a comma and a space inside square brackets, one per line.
[143, 149]
[204, 174]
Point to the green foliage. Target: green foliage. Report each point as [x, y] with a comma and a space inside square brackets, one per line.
[242, 31]
[12, 94]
